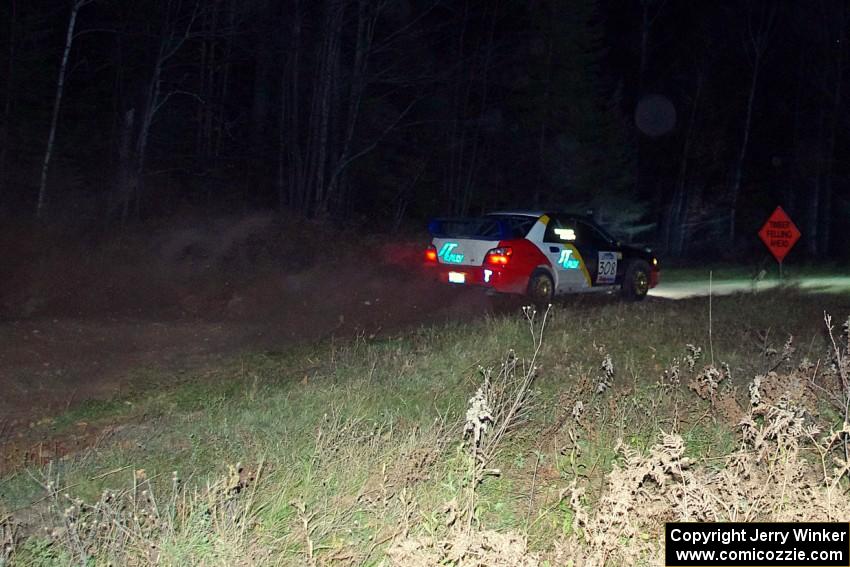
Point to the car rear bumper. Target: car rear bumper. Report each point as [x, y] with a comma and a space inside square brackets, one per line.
[500, 280]
[495, 279]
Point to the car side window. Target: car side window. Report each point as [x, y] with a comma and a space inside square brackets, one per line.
[560, 230]
[592, 237]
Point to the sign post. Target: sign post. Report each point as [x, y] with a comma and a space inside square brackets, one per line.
[779, 234]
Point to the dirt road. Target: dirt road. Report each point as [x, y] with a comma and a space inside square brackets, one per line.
[50, 364]
[683, 290]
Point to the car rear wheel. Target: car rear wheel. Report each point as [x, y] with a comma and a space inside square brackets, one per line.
[541, 289]
[636, 280]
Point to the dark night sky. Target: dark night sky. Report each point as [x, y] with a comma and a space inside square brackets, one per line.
[393, 111]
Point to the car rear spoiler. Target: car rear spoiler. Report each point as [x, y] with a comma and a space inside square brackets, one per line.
[471, 228]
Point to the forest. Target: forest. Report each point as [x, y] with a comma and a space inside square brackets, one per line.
[679, 124]
[220, 343]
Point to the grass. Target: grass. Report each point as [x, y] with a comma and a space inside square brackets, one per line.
[346, 448]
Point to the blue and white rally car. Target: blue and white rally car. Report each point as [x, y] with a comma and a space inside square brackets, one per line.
[538, 254]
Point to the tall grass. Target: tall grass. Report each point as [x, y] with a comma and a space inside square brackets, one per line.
[568, 442]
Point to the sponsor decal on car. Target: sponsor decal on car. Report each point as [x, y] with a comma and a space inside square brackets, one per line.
[607, 270]
[567, 261]
[448, 256]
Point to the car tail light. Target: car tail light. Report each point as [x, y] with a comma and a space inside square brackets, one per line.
[431, 254]
[498, 256]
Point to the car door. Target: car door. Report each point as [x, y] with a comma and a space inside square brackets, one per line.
[562, 248]
[601, 254]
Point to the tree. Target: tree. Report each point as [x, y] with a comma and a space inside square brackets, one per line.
[755, 40]
[76, 6]
[676, 225]
[834, 21]
[820, 114]
[5, 127]
[648, 18]
[330, 86]
[470, 101]
[581, 133]
[177, 28]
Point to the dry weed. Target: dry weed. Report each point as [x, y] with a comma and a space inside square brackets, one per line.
[783, 471]
[571, 401]
[793, 386]
[9, 538]
[768, 479]
[606, 379]
[707, 383]
[501, 404]
[134, 525]
[476, 549]
[714, 385]
[833, 383]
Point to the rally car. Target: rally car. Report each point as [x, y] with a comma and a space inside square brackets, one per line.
[538, 254]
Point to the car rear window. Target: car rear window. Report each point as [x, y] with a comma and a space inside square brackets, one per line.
[468, 228]
[516, 226]
[491, 227]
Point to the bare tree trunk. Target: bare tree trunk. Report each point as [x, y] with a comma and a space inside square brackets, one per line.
[209, 98]
[456, 141]
[792, 200]
[280, 180]
[315, 153]
[814, 213]
[151, 108]
[214, 73]
[757, 41]
[291, 128]
[204, 72]
[541, 157]
[57, 104]
[473, 165]
[647, 21]
[367, 16]
[812, 218]
[260, 107]
[646, 24]
[826, 205]
[460, 155]
[319, 85]
[544, 119]
[209, 95]
[225, 82]
[680, 201]
[171, 41]
[463, 153]
[7, 105]
[326, 84]
[282, 137]
[742, 154]
[127, 174]
[403, 197]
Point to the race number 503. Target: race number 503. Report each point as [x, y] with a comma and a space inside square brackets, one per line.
[607, 269]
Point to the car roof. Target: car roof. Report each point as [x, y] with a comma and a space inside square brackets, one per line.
[518, 213]
[538, 214]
